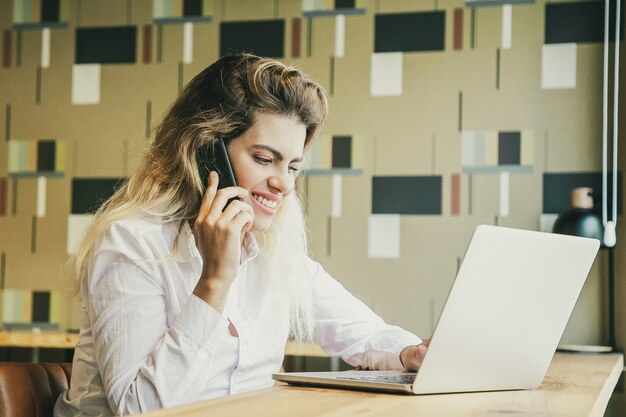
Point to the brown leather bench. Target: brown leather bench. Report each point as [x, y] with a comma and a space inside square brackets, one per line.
[31, 389]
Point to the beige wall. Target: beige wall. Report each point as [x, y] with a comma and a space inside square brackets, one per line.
[414, 134]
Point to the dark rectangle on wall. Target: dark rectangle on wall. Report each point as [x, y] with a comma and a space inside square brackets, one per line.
[7, 51]
[192, 8]
[296, 37]
[557, 189]
[147, 44]
[344, 4]
[509, 148]
[41, 306]
[262, 37]
[578, 22]
[46, 155]
[3, 269]
[342, 152]
[7, 122]
[38, 86]
[458, 29]
[106, 45]
[88, 194]
[406, 195]
[3, 196]
[49, 11]
[33, 235]
[410, 32]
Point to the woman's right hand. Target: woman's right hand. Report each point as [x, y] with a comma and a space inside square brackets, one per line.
[219, 233]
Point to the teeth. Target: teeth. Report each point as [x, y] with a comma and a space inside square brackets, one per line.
[266, 202]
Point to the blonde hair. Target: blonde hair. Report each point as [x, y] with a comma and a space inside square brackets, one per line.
[222, 101]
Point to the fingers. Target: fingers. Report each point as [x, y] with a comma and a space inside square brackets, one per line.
[214, 200]
[209, 195]
[237, 215]
[243, 221]
[220, 201]
[413, 356]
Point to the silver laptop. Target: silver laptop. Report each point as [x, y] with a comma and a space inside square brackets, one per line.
[502, 321]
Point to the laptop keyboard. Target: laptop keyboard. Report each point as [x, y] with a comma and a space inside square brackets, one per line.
[387, 379]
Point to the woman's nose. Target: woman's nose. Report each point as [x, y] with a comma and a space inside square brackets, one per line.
[282, 182]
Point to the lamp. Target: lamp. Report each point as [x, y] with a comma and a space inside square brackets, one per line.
[582, 220]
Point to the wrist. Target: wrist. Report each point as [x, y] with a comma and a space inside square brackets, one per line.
[213, 291]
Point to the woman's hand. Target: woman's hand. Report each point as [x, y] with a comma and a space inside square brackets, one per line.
[219, 233]
[413, 356]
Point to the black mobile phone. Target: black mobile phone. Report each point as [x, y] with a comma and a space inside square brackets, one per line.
[214, 157]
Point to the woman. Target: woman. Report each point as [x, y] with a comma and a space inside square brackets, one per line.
[186, 298]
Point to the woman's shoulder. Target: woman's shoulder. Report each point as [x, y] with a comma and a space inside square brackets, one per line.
[142, 230]
[139, 223]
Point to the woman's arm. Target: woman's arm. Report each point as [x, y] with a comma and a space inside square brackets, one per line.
[144, 363]
[346, 327]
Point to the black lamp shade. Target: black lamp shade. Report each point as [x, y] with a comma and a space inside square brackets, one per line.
[580, 222]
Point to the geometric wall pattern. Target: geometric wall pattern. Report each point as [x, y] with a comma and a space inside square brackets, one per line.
[442, 116]
[497, 151]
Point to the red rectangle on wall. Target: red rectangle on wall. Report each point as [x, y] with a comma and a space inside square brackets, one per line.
[296, 36]
[147, 44]
[458, 29]
[456, 194]
[3, 196]
[6, 48]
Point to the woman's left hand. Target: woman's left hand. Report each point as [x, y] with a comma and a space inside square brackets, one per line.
[413, 356]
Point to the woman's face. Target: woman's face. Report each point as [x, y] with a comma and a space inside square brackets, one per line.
[266, 159]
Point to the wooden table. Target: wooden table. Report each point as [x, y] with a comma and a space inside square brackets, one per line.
[49, 340]
[37, 340]
[575, 385]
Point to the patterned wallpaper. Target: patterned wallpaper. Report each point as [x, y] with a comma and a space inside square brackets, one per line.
[445, 114]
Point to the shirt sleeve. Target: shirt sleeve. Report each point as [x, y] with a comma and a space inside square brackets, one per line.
[144, 364]
[346, 327]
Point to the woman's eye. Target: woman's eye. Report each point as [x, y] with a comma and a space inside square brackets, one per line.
[293, 170]
[262, 161]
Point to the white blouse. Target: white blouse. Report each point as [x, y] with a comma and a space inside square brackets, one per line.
[146, 342]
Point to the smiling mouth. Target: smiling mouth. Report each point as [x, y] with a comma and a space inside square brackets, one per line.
[264, 201]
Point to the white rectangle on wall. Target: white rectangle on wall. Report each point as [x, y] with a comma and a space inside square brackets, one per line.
[383, 236]
[507, 25]
[558, 66]
[41, 196]
[86, 84]
[45, 48]
[546, 222]
[188, 43]
[386, 74]
[336, 199]
[13, 305]
[340, 36]
[77, 224]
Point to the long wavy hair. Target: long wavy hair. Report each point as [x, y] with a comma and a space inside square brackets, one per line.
[222, 101]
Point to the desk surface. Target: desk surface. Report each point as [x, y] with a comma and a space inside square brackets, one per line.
[575, 385]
